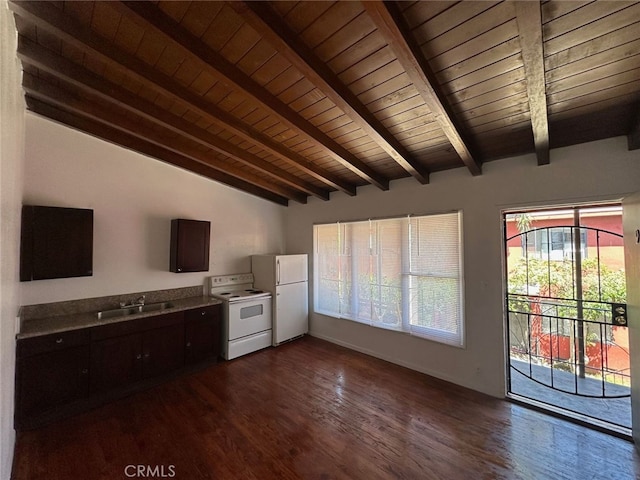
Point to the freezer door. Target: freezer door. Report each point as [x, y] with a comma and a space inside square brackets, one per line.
[291, 310]
[291, 269]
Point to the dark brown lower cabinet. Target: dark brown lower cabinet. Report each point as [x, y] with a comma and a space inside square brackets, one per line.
[162, 350]
[116, 362]
[57, 375]
[126, 352]
[48, 380]
[203, 331]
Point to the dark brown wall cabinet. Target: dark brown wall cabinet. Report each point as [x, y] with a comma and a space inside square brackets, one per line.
[61, 374]
[189, 246]
[55, 243]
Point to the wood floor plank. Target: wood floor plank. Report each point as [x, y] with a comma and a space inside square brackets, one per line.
[311, 409]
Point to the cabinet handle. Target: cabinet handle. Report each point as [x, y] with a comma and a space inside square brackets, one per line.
[59, 340]
[188, 344]
[203, 313]
[139, 356]
[85, 371]
[147, 355]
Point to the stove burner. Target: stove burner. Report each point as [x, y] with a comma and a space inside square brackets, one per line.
[242, 293]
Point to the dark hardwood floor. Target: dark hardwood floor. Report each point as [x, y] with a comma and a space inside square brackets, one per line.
[311, 409]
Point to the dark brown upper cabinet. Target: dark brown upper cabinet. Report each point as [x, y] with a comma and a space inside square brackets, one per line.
[55, 243]
[189, 245]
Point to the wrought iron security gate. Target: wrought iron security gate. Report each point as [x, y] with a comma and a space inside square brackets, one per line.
[566, 316]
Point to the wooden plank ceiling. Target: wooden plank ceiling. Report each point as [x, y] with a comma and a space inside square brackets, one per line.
[286, 100]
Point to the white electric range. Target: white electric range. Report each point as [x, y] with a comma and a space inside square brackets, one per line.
[246, 313]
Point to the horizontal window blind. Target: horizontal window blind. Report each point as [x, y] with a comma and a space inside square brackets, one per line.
[402, 274]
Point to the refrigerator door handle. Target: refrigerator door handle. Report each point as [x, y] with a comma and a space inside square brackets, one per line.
[278, 272]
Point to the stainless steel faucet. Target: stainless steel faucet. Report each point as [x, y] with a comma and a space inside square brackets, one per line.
[138, 302]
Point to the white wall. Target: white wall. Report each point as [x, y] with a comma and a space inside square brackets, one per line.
[589, 172]
[134, 199]
[11, 155]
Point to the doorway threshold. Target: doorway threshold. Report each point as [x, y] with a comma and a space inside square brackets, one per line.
[574, 417]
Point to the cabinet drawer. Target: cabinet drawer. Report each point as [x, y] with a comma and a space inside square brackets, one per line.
[128, 327]
[53, 342]
[211, 312]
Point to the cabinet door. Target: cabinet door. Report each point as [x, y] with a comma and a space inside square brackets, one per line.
[163, 350]
[51, 379]
[202, 334]
[116, 362]
[189, 246]
[56, 243]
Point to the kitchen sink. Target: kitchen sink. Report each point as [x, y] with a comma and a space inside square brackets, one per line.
[152, 307]
[117, 312]
[123, 312]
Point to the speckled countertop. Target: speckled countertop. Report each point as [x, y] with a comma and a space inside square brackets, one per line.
[62, 316]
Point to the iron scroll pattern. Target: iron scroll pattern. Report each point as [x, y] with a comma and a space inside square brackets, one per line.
[561, 305]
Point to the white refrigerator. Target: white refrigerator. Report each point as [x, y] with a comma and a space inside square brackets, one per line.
[285, 276]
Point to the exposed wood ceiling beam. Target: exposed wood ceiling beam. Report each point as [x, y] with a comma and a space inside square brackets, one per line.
[62, 99]
[633, 137]
[104, 54]
[390, 23]
[149, 16]
[529, 18]
[271, 27]
[51, 19]
[146, 148]
[32, 54]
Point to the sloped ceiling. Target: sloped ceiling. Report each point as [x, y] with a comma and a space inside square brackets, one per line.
[286, 100]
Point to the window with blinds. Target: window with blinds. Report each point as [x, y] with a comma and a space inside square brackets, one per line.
[402, 274]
